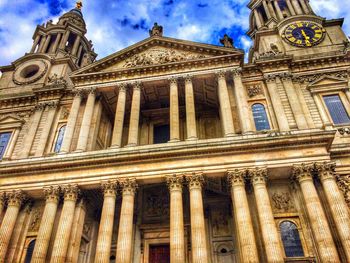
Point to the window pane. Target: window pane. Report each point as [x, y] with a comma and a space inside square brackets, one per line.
[4, 140]
[291, 239]
[336, 109]
[59, 140]
[260, 117]
[30, 251]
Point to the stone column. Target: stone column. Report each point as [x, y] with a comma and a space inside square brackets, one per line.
[47, 42]
[60, 246]
[86, 122]
[290, 7]
[52, 195]
[11, 146]
[297, 7]
[52, 107]
[30, 135]
[269, 231]
[105, 233]
[225, 106]
[15, 199]
[119, 118]
[41, 44]
[305, 7]
[267, 10]
[2, 204]
[36, 41]
[76, 45]
[64, 39]
[321, 110]
[294, 102]
[77, 232]
[258, 21]
[272, 11]
[125, 233]
[198, 233]
[318, 221]
[177, 232]
[278, 10]
[347, 93]
[57, 42]
[174, 111]
[336, 201]
[133, 138]
[190, 110]
[277, 103]
[18, 231]
[72, 120]
[246, 238]
[241, 101]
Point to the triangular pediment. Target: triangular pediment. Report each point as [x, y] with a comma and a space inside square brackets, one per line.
[326, 81]
[156, 51]
[10, 121]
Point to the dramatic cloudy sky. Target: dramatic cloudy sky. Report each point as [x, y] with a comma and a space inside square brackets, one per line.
[115, 24]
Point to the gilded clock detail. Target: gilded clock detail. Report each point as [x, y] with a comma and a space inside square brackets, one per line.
[304, 34]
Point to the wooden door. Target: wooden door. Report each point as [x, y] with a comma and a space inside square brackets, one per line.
[159, 254]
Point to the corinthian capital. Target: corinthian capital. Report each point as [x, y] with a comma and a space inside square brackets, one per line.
[236, 177]
[302, 172]
[52, 193]
[195, 180]
[2, 198]
[325, 170]
[129, 186]
[122, 87]
[15, 198]
[258, 175]
[175, 182]
[71, 192]
[109, 188]
[237, 72]
[344, 185]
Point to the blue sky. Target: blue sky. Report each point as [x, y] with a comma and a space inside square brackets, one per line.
[116, 24]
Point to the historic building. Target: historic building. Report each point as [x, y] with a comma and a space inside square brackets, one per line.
[176, 151]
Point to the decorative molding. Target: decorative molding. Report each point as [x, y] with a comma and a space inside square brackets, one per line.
[109, 188]
[344, 185]
[15, 198]
[344, 130]
[314, 77]
[195, 180]
[56, 81]
[52, 193]
[302, 172]
[282, 202]
[175, 182]
[237, 177]
[258, 175]
[325, 170]
[254, 90]
[19, 80]
[129, 186]
[71, 192]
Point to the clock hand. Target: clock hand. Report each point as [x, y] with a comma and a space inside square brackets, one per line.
[304, 34]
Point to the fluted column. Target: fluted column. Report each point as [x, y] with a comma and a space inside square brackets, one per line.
[267, 10]
[72, 120]
[30, 135]
[190, 110]
[15, 199]
[47, 128]
[125, 233]
[105, 233]
[242, 104]
[77, 232]
[198, 232]
[290, 7]
[119, 118]
[2, 204]
[76, 45]
[294, 102]
[174, 111]
[35, 43]
[304, 7]
[177, 232]
[57, 42]
[133, 138]
[52, 195]
[277, 103]
[86, 122]
[278, 10]
[47, 42]
[225, 106]
[59, 251]
[259, 23]
[318, 221]
[336, 201]
[297, 7]
[246, 238]
[269, 231]
[272, 11]
[64, 39]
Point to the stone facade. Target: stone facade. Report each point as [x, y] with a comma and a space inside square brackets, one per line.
[179, 151]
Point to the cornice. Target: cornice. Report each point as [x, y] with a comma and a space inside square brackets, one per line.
[150, 153]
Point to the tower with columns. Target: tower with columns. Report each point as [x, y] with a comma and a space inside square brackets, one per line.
[177, 151]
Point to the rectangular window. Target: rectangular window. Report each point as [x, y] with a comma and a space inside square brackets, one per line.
[4, 141]
[336, 109]
[161, 134]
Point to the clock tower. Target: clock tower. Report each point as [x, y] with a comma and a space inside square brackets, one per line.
[291, 28]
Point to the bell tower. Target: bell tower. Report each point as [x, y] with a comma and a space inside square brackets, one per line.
[65, 39]
[291, 28]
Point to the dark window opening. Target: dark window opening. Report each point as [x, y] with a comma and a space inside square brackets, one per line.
[59, 140]
[70, 43]
[261, 10]
[283, 5]
[4, 141]
[51, 44]
[336, 109]
[30, 251]
[260, 117]
[161, 134]
[291, 239]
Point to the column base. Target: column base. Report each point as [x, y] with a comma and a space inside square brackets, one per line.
[115, 147]
[192, 139]
[174, 140]
[131, 145]
[230, 135]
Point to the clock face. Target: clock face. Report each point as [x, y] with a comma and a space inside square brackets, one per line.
[304, 34]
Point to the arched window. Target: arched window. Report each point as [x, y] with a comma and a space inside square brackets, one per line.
[336, 109]
[260, 117]
[291, 239]
[4, 140]
[30, 250]
[59, 139]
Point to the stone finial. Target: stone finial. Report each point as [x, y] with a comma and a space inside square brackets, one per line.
[227, 41]
[156, 30]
